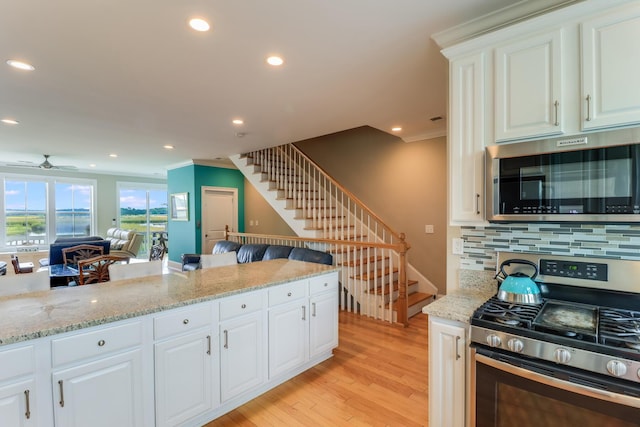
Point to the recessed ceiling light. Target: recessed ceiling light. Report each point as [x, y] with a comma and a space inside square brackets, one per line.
[396, 129]
[199, 24]
[9, 121]
[168, 147]
[114, 155]
[92, 165]
[275, 61]
[20, 65]
[237, 121]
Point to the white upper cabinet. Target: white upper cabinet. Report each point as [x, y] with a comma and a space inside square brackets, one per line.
[611, 69]
[528, 87]
[467, 138]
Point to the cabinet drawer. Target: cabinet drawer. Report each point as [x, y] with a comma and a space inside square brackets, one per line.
[95, 342]
[182, 320]
[288, 292]
[319, 284]
[17, 362]
[241, 304]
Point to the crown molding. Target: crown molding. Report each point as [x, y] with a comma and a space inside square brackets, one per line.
[517, 12]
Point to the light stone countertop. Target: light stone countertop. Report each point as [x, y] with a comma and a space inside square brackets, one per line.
[476, 287]
[39, 314]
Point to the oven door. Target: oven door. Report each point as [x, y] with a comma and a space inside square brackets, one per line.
[535, 394]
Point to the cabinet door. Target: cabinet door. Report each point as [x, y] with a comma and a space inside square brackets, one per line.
[610, 69]
[323, 326]
[241, 355]
[288, 336]
[184, 380]
[16, 404]
[528, 88]
[447, 349]
[104, 393]
[467, 139]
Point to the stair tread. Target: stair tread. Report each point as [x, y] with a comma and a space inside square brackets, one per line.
[375, 274]
[415, 298]
[387, 288]
[363, 261]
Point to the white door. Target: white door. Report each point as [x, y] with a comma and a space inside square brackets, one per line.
[104, 393]
[219, 209]
[184, 381]
[17, 403]
[611, 65]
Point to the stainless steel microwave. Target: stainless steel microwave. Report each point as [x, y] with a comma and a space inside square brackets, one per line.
[592, 178]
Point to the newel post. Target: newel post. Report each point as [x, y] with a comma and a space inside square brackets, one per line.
[403, 303]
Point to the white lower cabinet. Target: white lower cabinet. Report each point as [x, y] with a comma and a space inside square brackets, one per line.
[15, 404]
[18, 387]
[107, 392]
[97, 378]
[323, 324]
[447, 367]
[242, 344]
[185, 354]
[303, 322]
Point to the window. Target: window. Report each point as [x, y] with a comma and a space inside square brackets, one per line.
[73, 209]
[25, 212]
[37, 210]
[143, 208]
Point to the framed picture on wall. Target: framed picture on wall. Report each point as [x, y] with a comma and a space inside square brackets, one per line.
[180, 206]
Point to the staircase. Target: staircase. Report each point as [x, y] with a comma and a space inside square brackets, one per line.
[375, 278]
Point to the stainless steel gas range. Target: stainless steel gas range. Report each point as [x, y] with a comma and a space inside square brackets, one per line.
[573, 359]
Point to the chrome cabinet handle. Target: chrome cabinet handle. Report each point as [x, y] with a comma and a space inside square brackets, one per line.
[60, 385]
[28, 413]
[313, 309]
[101, 343]
[588, 108]
[243, 306]
[185, 322]
[304, 313]
[209, 344]
[555, 105]
[226, 338]
[478, 203]
[457, 345]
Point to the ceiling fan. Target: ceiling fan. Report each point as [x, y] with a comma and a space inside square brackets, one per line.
[46, 164]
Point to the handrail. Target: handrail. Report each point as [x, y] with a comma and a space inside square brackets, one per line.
[362, 205]
[393, 246]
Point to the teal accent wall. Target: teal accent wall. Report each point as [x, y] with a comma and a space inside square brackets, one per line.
[185, 236]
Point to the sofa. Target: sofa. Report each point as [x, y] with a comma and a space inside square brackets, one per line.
[252, 252]
[124, 243]
[55, 249]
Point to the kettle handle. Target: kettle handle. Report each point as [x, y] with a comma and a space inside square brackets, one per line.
[519, 261]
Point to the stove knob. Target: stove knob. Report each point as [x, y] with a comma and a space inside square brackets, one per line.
[493, 340]
[616, 368]
[562, 355]
[515, 345]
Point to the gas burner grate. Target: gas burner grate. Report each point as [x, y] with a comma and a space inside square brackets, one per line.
[508, 313]
[620, 328]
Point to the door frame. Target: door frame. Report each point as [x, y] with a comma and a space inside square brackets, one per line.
[225, 190]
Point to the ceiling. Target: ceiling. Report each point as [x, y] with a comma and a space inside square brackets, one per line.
[127, 77]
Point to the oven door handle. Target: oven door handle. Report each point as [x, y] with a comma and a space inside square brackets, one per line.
[595, 393]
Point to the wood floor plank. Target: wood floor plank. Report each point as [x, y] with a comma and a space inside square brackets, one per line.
[377, 377]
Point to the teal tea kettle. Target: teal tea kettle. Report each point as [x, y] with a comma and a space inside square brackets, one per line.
[518, 287]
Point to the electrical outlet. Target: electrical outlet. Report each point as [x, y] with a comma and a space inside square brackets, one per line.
[257, 223]
[428, 228]
[250, 223]
[458, 246]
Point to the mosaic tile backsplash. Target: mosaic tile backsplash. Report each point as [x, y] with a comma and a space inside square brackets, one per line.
[599, 240]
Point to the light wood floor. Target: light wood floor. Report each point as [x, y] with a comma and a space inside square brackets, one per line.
[377, 377]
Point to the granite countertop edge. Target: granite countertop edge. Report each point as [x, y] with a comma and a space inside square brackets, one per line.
[476, 287]
[45, 313]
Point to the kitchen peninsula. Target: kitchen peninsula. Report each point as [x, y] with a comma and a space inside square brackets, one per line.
[174, 349]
